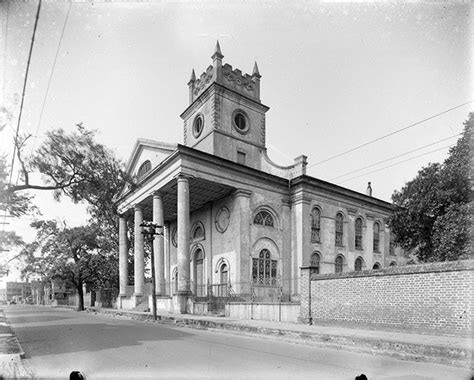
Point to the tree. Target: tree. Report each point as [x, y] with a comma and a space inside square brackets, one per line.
[72, 165]
[78, 256]
[432, 211]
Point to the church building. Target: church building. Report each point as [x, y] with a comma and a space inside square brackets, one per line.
[234, 223]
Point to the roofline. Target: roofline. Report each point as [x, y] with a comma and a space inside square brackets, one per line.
[306, 179]
[192, 152]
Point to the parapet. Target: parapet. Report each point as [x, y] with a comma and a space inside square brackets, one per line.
[245, 84]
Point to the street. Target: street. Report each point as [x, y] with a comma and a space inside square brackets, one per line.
[58, 341]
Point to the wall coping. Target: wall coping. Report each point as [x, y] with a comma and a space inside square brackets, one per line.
[447, 266]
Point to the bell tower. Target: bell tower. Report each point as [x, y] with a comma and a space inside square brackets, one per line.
[225, 116]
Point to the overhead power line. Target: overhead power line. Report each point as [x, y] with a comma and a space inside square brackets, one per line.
[23, 98]
[24, 89]
[397, 163]
[50, 77]
[389, 134]
[394, 157]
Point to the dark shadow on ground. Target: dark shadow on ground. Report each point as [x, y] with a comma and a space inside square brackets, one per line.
[32, 319]
[61, 338]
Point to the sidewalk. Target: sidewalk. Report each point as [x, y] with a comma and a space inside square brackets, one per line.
[451, 350]
[11, 353]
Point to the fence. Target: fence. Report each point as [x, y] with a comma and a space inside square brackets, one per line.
[435, 296]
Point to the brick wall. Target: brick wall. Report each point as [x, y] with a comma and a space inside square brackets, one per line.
[434, 296]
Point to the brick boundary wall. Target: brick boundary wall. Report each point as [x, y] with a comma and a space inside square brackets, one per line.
[436, 296]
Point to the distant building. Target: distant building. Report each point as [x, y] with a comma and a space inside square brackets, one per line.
[18, 291]
[233, 220]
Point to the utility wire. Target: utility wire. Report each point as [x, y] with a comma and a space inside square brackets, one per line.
[397, 163]
[24, 90]
[51, 76]
[392, 158]
[5, 54]
[23, 98]
[388, 135]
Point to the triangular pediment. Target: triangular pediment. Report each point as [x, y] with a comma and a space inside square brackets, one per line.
[148, 150]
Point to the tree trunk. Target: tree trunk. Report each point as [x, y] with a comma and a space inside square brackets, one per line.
[80, 293]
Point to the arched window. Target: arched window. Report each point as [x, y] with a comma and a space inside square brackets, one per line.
[339, 229]
[358, 233]
[264, 218]
[222, 289]
[144, 168]
[199, 272]
[315, 225]
[264, 269]
[393, 264]
[358, 264]
[339, 264]
[197, 232]
[376, 237]
[315, 259]
[376, 266]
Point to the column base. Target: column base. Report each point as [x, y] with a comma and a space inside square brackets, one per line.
[137, 299]
[180, 302]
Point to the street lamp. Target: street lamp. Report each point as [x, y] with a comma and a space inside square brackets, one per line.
[150, 231]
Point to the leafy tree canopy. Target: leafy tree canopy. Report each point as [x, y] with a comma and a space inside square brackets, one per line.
[432, 218]
[78, 255]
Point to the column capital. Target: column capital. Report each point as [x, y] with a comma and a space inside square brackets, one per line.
[183, 177]
[242, 193]
[137, 207]
[157, 194]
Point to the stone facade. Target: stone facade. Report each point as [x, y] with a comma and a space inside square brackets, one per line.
[434, 296]
[232, 220]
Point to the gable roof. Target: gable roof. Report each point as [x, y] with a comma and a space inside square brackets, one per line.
[160, 146]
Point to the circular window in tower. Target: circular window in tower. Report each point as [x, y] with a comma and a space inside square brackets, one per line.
[240, 121]
[198, 125]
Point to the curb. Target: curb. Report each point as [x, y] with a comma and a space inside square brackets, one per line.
[419, 352]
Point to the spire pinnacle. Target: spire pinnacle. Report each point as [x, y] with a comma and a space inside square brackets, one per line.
[255, 72]
[193, 76]
[217, 52]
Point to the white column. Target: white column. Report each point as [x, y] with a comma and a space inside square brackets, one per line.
[158, 243]
[139, 259]
[123, 255]
[183, 235]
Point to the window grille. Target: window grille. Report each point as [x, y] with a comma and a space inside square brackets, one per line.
[264, 269]
[315, 259]
[376, 237]
[315, 226]
[358, 264]
[339, 263]
[264, 218]
[358, 233]
[339, 229]
[144, 168]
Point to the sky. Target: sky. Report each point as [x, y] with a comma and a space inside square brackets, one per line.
[335, 76]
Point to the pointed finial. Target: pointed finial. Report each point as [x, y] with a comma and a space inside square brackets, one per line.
[255, 72]
[217, 52]
[193, 76]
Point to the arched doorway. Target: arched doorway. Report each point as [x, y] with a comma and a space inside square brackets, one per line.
[224, 280]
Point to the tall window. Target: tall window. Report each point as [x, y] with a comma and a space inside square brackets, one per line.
[358, 233]
[376, 237]
[358, 264]
[264, 269]
[339, 263]
[144, 168]
[315, 225]
[199, 272]
[315, 259]
[264, 218]
[339, 229]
